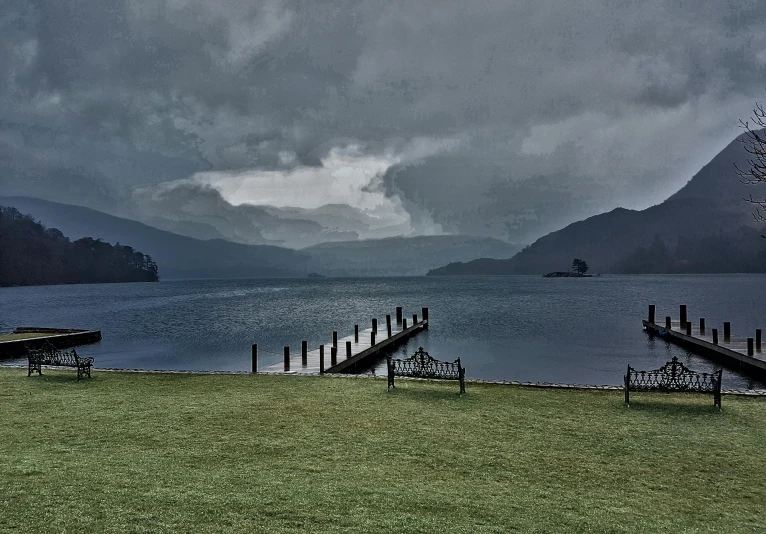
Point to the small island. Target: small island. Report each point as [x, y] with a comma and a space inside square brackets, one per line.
[316, 275]
[579, 268]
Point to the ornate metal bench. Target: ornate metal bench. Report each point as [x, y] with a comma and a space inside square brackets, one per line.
[422, 365]
[50, 355]
[674, 377]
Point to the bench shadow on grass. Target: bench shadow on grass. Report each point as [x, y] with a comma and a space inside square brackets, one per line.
[426, 394]
[57, 378]
[672, 407]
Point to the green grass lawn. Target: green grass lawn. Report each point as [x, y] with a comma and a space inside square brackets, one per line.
[241, 453]
[14, 337]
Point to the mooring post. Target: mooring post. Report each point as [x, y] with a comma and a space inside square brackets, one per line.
[348, 349]
[702, 326]
[356, 333]
[254, 359]
[715, 336]
[375, 326]
[414, 319]
[758, 339]
[404, 324]
[688, 329]
[388, 325]
[287, 359]
[333, 356]
[335, 339]
[372, 338]
[304, 353]
[750, 346]
[668, 323]
[425, 316]
[726, 331]
[398, 315]
[321, 359]
[651, 313]
[683, 315]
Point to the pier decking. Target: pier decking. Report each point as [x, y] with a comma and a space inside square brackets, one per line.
[741, 353]
[350, 351]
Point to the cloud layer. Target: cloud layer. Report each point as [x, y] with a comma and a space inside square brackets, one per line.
[297, 121]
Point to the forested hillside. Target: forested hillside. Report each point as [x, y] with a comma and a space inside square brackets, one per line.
[31, 254]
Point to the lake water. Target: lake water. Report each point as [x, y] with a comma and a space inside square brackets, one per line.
[526, 328]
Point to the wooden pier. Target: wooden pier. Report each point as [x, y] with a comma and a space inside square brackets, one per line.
[743, 354]
[347, 353]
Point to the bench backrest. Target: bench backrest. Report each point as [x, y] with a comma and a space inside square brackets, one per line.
[422, 365]
[673, 376]
[50, 355]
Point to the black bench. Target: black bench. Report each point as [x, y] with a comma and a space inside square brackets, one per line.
[674, 377]
[422, 365]
[50, 355]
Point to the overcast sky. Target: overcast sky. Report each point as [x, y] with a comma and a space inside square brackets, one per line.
[366, 119]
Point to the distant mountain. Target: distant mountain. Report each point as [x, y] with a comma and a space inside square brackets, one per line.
[710, 204]
[176, 256]
[180, 256]
[401, 256]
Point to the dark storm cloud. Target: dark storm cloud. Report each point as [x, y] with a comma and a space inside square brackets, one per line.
[499, 118]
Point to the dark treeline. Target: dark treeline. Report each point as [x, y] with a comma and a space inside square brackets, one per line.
[31, 254]
[742, 251]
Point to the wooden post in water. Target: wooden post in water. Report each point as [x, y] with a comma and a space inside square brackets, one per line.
[335, 339]
[304, 353]
[348, 349]
[702, 326]
[388, 325]
[398, 315]
[726, 331]
[683, 315]
[750, 350]
[372, 338]
[414, 319]
[374, 326]
[254, 359]
[651, 313]
[425, 315]
[668, 323]
[333, 356]
[287, 359]
[688, 328]
[715, 336]
[758, 339]
[404, 324]
[321, 359]
[356, 333]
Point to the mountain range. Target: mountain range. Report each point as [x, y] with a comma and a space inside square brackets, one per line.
[180, 256]
[704, 227]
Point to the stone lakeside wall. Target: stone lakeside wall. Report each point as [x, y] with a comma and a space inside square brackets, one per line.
[62, 339]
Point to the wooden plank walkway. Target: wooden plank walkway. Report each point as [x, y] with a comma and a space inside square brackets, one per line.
[360, 352]
[731, 351]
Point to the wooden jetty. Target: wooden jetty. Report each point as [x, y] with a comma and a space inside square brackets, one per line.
[744, 354]
[347, 353]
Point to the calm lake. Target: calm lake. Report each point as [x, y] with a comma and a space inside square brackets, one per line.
[527, 328]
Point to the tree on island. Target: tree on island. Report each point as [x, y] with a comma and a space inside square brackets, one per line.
[580, 266]
[754, 142]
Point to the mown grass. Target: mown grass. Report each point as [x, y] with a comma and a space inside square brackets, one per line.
[14, 337]
[239, 453]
